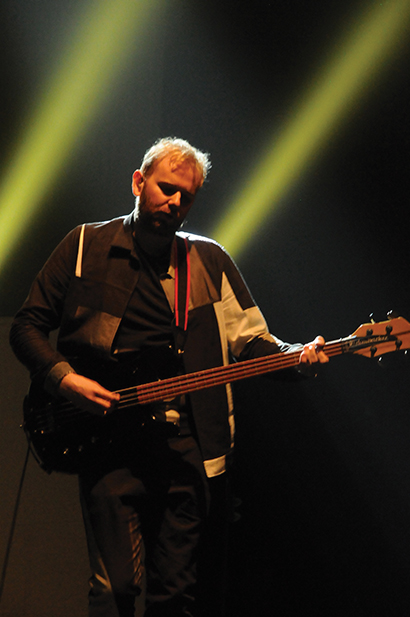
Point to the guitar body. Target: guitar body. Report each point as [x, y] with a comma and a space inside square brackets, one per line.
[59, 444]
[67, 439]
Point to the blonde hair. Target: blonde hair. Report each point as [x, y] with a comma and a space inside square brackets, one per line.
[181, 153]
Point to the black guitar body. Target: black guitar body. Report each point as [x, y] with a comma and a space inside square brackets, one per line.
[58, 443]
[67, 439]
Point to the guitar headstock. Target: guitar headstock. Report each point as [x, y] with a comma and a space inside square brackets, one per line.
[378, 338]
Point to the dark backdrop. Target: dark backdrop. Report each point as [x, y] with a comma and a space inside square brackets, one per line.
[322, 468]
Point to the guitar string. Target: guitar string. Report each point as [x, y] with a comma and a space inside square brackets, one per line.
[197, 381]
[66, 411]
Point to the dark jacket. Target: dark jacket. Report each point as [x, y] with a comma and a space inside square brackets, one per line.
[84, 289]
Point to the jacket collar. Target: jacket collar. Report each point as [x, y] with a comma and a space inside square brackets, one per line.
[123, 244]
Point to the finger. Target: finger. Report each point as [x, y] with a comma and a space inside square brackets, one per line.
[308, 354]
[104, 401]
[323, 357]
[92, 397]
[106, 396]
[305, 357]
[313, 352]
[319, 342]
[319, 345]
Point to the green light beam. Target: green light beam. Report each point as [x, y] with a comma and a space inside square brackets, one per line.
[332, 94]
[109, 32]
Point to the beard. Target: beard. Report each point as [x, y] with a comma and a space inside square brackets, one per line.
[152, 220]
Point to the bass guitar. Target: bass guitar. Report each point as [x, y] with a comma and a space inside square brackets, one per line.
[66, 438]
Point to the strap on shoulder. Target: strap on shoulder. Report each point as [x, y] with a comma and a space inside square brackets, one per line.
[79, 263]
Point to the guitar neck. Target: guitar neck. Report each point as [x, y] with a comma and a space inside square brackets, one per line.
[183, 384]
[65, 437]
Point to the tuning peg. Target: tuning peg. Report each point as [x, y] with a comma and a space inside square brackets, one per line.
[392, 315]
[371, 318]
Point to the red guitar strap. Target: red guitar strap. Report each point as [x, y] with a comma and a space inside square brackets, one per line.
[182, 286]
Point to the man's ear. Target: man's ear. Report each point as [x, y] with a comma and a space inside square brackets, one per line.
[137, 183]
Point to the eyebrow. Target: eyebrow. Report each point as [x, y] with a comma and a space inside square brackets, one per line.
[176, 188]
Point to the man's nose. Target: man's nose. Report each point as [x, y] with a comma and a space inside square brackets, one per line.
[175, 199]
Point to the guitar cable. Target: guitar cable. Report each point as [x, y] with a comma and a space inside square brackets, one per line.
[13, 524]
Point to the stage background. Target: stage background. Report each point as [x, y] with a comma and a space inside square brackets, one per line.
[322, 467]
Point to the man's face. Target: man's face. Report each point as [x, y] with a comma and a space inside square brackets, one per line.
[165, 196]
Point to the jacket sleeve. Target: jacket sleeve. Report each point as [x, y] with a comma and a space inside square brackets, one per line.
[247, 332]
[41, 313]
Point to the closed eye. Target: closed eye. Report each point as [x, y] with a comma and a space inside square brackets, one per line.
[171, 189]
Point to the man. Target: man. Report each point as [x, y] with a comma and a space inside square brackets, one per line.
[130, 294]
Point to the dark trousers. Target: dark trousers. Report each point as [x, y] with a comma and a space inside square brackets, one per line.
[144, 512]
